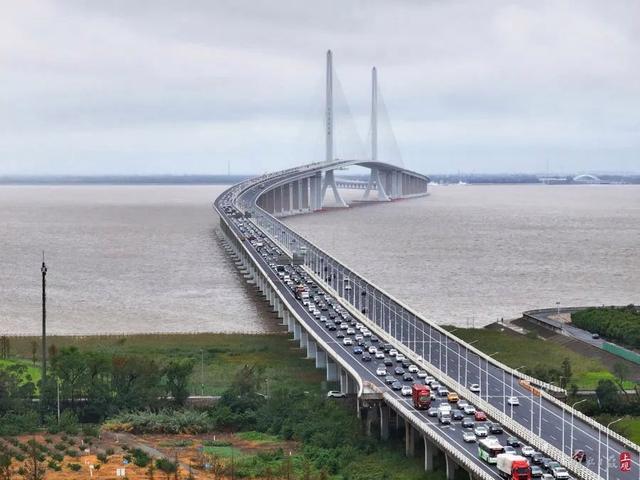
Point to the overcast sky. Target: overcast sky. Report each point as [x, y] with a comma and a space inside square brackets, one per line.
[146, 87]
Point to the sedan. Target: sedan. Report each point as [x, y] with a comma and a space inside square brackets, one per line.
[380, 355]
[400, 358]
[406, 390]
[536, 471]
[366, 357]
[510, 450]
[480, 416]
[422, 374]
[469, 410]
[357, 350]
[475, 388]
[513, 401]
[495, 428]
[381, 372]
[480, 431]
[469, 437]
[513, 442]
[399, 371]
[467, 423]
[457, 415]
[396, 385]
[388, 362]
[536, 458]
[373, 350]
[527, 451]
[407, 377]
[347, 341]
[351, 331]
[340, 334]
[389, 379]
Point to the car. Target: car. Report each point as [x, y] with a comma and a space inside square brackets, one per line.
[457, 415]
[331, 326]
[595, 336]
[495, 428]
[469, 437]
[452, 397]
[480, 431]
[373, 350]
[469, 410]
[398, 371]
[546, 476]
[510, 450]
[381, 371]
[432, 412]
[579, 456]
[347, 341]
[366, 333]
[422, 374]
[467, 423]
[366, 357]
[513, 442]
[336, 394]
[374, 338]
[443, 392]
[396, 385]
[560, 472]
[462, 404]
[387, 347]
[323, 319]
[340, 334]
[388, 362]
[515, 401]
[444, 419]
[379, 355]
[407, 377]
[351, 331]
[536, 471]
[527, 451]
[406, 390]
[480, 416]
[405, 363]
[551, 465]
[357, 350]
[545, 462]
[536, 458]
[389, 379]
[475, 388]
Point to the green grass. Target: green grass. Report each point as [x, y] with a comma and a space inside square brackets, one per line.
[517, 350]
[630, 428]
[225, 452]
[257, 437]
[32, 371]
[224, 354]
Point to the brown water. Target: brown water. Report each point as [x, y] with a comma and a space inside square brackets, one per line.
[145, 259]
[121, 259]
[468, 255]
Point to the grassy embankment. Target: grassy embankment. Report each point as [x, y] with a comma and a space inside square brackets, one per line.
[516, 350]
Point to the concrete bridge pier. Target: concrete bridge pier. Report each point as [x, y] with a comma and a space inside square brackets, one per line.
[384, 421]
[290, 323]
[451, 467]
[285, 318]
[430, 452]
[409, 441]
[330, 182]
[297, 330]
[321, 358]
[304, 338]
[370, 418]
[332, 371]
[312, 348]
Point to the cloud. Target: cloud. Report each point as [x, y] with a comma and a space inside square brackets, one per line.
[161, 87]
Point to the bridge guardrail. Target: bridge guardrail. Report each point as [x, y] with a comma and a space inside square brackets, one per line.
[524, 433]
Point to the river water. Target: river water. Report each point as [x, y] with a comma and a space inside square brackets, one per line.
[126, 259]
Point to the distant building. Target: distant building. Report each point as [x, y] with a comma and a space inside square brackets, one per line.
[587, 178]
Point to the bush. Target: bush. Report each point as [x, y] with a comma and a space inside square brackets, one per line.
[69, 422]
[72, 453]
[53, 465]
[110, 451]
[102, 457]
[140, 458]
[58, 457]
[91, 430]
[164, 422]
[74, 467]
[60, 446]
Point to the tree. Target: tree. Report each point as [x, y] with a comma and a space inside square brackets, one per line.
[34, 469]
[6, 472]
[166, 466]
[70, 366]
[566, 373]
[5, 347]
[621, 372]
[34, 351]
[151, 470]
[607, 395]
[177, 374]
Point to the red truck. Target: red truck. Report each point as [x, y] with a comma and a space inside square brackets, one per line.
[421, 396]
[513, 467]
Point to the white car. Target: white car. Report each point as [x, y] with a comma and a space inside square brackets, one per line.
[400, 357]
[335, 394]
[381, 372]
[373, 350]
[422, 374]
[560, 473]
[462, 404]
[323, 319]
[344, 326]
[469, 437]
[393, 352]
[351, 331]
[475, 388]
[406, 390]
[469, 410]
[366, 333]
[527, 451]
[513, 401]
[347, 341]
[480, 431]
[413, 369]
[379, 354]
[359, 337]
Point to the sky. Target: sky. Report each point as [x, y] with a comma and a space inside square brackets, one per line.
[200, 87]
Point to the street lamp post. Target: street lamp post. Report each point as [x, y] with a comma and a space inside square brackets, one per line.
[513, 375]
[572, 415]
[466, 362]
[487, 371]
[446, 351]
[558, 307]
[607, 464]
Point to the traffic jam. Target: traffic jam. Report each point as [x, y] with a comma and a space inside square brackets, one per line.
[512, 459]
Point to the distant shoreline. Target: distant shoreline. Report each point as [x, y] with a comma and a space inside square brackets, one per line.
[125, 180]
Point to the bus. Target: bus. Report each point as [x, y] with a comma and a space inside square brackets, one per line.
[489, 449]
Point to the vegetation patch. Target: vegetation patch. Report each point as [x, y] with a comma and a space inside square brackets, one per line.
[618, 324]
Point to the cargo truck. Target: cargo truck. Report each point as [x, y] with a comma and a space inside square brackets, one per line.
[421, 396]
[513, 467]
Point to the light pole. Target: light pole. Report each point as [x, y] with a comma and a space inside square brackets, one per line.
[607, 465]
[466, 362]
[558, 307]
[490, 356]
[572, 415]
[513, 375]
[446, 350]
[202, 372]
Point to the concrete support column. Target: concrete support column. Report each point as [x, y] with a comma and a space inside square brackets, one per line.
[291, 321]
[384, 421]
[304, 192]
[409, 444]
[304, 338]
[430, 452]
[297, 330]
[332, 371]
[451, 467]
[321, 358]
[312, 348]
[371, 417]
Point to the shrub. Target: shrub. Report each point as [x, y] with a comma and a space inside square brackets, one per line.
[110, 451]
[53, 465]
[60, 446]
[58, 457]
[72, 453]
[91, 430]
[140, 458]
[165, 421]
[102, 457]
[74, 467]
